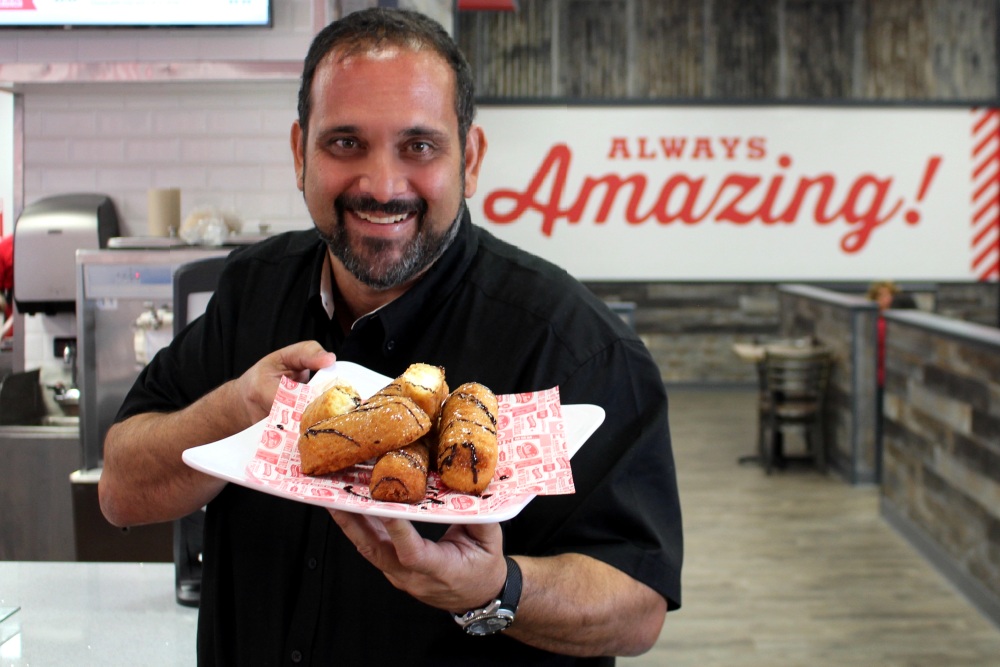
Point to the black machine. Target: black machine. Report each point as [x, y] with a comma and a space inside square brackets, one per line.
[192, 283]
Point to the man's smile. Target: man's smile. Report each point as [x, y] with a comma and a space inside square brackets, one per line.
[384, 219]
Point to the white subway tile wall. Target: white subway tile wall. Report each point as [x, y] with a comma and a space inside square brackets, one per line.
[224, 144]
[39, 333]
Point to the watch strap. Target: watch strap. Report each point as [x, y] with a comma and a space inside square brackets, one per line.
[510, 597]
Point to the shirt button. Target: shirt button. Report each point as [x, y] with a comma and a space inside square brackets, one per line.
[296, 656]
[390, 346]
[312, 563]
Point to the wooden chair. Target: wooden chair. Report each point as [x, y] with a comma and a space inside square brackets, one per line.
[794, 394]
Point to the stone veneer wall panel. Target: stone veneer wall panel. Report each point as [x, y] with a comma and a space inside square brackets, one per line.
[690, 327]
[847, 325]
[942, 447]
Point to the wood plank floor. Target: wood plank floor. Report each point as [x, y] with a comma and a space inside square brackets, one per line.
[797, 568]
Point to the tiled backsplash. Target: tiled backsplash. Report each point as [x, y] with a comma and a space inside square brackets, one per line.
[224, 145]
[40, 333]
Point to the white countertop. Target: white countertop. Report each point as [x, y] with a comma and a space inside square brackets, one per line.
[93, 614]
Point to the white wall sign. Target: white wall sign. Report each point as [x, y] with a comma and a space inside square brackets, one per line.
[134, 12]
[747, 193]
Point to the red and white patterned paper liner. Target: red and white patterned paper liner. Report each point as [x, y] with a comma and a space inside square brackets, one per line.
[533, 459]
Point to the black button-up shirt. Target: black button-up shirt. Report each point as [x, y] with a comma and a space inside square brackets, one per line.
[282, 585]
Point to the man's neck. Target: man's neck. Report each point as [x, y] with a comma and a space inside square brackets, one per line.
[354, 299]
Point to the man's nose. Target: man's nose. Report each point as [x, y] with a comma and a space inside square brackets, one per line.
[384, 178]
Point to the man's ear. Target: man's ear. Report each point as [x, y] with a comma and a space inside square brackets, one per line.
[475, 151]
[298, 154]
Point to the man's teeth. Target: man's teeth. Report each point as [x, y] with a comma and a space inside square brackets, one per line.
[381, 220]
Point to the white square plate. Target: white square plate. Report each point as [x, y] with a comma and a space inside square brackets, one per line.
[228, 459]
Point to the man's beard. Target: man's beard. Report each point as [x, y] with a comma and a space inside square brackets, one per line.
[369, 265]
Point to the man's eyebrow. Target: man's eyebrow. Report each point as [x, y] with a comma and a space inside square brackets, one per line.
[338, 129]
[420, 131]
[417, 131]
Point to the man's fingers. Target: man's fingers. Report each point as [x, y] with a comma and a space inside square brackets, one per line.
[359, 528]
[409, 545]
[389, 544]
[485, 535]
[392, 545]
[305, 356]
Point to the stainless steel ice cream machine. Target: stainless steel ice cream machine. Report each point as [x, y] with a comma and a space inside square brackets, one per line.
[124, 315]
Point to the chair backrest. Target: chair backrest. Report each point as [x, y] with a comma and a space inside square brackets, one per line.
[799, 377]
[194, 284]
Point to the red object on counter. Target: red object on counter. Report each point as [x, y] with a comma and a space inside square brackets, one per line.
[7, 279]
[7, 263]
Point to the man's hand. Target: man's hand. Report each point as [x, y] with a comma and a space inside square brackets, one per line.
[144, 478]
[463, 570]
[570, 603]
[256, 388]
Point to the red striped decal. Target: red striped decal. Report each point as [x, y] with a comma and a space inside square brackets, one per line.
[985, 256]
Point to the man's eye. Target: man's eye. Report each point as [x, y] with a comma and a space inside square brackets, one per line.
[343, 146]
[420, 147]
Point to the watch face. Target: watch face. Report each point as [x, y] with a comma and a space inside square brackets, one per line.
[488, 625]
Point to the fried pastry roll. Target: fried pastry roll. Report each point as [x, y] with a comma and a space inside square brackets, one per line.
[467, 442]
[423, 384]
[400, 476]
[336, 400]
[381, 424]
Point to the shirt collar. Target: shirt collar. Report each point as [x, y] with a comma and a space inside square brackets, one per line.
[441, 279]
[432, 288]
[326, 285]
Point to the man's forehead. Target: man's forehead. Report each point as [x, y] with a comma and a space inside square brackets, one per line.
[340, 61]
[345, 56]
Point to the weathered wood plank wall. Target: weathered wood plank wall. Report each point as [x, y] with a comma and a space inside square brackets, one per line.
[667, 60]
[873, 50]
[818, 43]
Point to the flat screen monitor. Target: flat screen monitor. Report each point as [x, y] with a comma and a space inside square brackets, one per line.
[134, 13]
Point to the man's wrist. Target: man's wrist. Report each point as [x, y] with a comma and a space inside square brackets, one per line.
[498, 614]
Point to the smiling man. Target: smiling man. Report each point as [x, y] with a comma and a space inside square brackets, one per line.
[378, 165]
[386, 154]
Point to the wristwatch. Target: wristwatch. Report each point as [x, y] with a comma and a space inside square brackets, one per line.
[498, 614]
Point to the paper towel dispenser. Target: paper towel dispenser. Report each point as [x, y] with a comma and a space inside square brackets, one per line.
[46, 238]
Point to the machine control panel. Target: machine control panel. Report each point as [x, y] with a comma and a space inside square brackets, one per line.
[128, 281]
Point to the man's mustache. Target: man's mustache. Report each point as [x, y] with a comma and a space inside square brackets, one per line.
[366, 204]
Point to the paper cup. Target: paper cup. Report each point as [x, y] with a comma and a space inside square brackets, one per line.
[164, 211]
